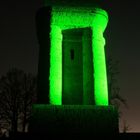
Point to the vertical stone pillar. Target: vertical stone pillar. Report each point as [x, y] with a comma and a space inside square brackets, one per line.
[56, 66]
[100, 77]
[43, 20]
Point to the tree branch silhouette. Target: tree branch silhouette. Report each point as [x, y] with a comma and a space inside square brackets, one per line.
[17, 93]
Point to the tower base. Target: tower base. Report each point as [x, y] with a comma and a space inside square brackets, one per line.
[74, 120]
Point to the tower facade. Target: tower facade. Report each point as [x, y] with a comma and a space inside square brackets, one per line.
[72, 81]
[72, 67]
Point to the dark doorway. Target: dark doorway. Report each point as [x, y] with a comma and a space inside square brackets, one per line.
[72, 67]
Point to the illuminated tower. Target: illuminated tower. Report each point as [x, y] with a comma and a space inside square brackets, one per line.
[72, 67]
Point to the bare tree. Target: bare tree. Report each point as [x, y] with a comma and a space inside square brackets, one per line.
[17, 90]
[29, 97]
[113, 87]
[126, 127]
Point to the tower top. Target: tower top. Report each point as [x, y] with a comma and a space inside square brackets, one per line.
[76, 3]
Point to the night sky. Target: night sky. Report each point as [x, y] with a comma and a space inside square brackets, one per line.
[19, 45]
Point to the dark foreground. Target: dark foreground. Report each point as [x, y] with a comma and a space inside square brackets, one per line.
[124, 136]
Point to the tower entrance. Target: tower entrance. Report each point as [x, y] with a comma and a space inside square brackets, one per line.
[72, 67]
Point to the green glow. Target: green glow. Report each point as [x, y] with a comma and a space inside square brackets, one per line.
[100, 79]
[56, 66]
[70, 18]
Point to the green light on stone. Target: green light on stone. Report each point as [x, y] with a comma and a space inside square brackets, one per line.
[100, 76]
[70, 18]
[56, 66]
[100, 80]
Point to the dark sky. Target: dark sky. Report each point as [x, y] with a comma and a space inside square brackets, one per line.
[19, 46]
[123, 43]
[18, 41]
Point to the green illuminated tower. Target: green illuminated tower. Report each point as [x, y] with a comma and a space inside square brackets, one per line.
[74, 47]
[72, 80]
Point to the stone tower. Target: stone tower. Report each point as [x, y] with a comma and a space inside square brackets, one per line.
[72, 81]
[72, 67]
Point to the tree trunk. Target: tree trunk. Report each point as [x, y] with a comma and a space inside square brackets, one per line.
[14, 124]
[24, 122]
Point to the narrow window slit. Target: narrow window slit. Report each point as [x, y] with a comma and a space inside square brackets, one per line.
[72, 54]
